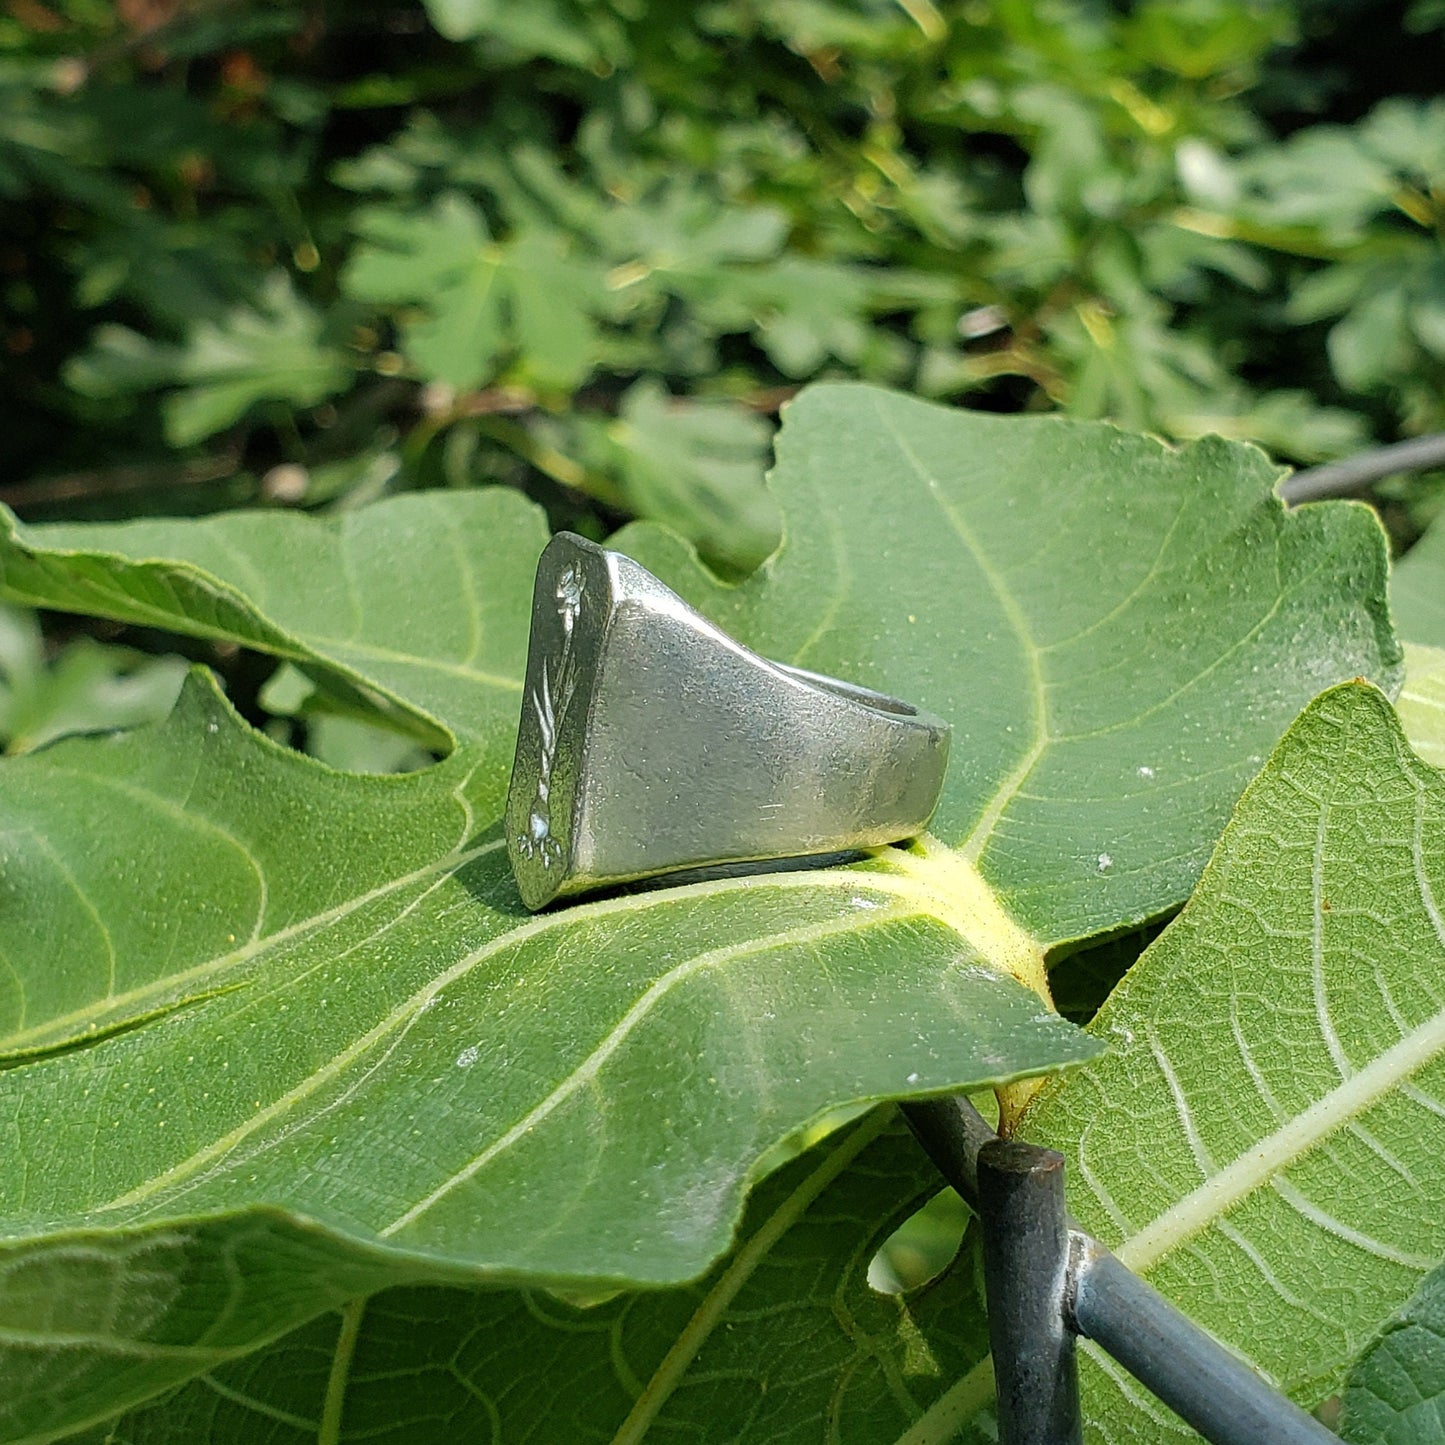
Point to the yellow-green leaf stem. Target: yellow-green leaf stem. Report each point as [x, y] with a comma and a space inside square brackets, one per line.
[953, 890]
[956, 893]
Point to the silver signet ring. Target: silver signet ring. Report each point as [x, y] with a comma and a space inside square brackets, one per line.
[650, 741]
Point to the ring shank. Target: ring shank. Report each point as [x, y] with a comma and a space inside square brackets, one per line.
[852, 691]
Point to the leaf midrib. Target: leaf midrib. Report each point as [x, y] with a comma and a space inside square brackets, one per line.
[978, 838]
[65, 1028]
[410, 659]
[586, 1071]
[919, 886]
[1347, 1101]
[1354, 1096]
[1257, 1167]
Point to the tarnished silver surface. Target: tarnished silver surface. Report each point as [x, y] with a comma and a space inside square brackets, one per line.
[650, 741]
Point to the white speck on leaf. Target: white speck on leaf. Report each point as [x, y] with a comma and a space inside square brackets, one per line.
[913, 1078]
[467, 1057]
[1105, 862]
[1145, 771]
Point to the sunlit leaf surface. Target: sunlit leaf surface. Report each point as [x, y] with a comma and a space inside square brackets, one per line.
[1422, 701]
[1417, 590]
[1265, 1140]
[314, 1000]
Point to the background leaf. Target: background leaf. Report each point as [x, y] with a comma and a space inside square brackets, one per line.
[785, 1339]
[698, 468]
[274, 350]
[1422, 702]
[1417, 590]
[1108, 212]
[87, 687]
[478, 297]
[348, 598]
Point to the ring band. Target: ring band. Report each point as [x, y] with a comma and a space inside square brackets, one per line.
[651, 742]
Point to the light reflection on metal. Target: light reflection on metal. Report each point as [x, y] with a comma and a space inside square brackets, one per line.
[651, 742]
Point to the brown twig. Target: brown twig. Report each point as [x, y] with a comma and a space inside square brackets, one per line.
[73, 486]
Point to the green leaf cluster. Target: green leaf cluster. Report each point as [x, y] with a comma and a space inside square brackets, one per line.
[261, 254]
[372, 1151]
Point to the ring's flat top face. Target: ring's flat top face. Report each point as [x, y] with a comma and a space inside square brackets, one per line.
[571, 602]
[650, 741]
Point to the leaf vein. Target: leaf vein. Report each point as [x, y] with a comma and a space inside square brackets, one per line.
[1258, 1165]
[684, 1349]
[972, 846]
[586, 1072]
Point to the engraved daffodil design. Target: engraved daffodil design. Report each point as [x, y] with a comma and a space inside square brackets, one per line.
[548, 706]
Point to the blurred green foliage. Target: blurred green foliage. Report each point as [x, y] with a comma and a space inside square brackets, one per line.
[306, 254]
[87, 687]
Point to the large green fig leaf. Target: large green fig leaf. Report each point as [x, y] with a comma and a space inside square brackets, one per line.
[1265, 1140]
[1119, 632]
[316, 996]
[785, 1341]
[244, 983]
